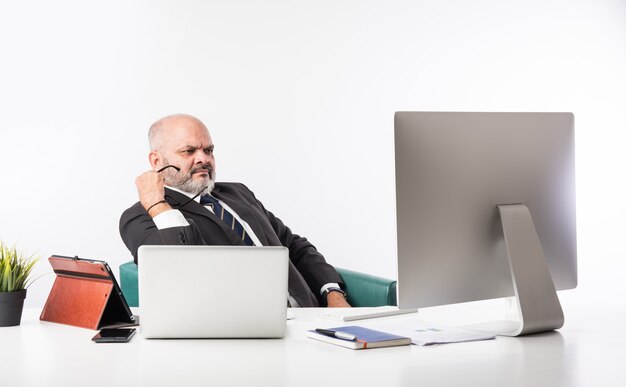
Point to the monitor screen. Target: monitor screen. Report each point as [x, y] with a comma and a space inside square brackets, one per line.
[453, 170]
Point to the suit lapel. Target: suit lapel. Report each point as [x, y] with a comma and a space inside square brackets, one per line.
[245, 213]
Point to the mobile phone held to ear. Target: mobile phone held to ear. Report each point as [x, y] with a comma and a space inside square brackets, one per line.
[114, 335]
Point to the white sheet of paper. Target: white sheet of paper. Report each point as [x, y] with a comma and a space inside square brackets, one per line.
[426, 333]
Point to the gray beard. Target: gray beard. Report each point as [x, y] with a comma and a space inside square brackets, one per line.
[184, 181]
[193, 187]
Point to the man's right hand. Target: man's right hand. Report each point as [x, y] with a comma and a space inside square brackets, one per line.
[151, 189]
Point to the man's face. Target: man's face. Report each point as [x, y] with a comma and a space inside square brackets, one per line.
[186, 144]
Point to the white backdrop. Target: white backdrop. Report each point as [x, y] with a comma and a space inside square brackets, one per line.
[299, 97]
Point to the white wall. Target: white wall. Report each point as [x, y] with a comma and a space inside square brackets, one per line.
[299, 96]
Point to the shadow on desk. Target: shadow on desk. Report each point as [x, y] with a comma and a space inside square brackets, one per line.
[534, 360]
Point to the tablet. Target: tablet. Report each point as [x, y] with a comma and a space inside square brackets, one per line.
[86, 294]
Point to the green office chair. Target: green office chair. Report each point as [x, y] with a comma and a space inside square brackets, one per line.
[368, 290]
[362, 289]
[128, 283]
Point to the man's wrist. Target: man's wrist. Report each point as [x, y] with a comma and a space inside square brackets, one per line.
[336, 299]
[157, 208]
[326, 292]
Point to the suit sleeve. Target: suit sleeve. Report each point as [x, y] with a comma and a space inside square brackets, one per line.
[305, 257]
[137, 228]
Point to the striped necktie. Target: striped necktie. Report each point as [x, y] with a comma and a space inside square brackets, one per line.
[226, 217]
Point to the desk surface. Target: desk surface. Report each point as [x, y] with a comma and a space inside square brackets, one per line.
[587, 351]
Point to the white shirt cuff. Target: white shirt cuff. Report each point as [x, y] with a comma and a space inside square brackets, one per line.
[170, 218]
[329, 285]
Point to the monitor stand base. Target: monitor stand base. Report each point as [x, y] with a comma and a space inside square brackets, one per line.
[537, 301]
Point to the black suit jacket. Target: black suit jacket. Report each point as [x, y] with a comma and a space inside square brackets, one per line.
[308, 270]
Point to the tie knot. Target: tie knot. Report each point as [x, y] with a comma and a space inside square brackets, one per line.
[207, 199]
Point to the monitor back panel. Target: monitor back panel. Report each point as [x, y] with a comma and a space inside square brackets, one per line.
[452, 169]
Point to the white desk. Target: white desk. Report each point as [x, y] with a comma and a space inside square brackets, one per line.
[588, 351]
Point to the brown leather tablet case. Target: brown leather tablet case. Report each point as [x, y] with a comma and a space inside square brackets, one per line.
[85, 294]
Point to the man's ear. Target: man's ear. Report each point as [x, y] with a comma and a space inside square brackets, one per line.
[155, 159]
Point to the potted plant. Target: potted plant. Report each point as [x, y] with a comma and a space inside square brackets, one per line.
[15, 269]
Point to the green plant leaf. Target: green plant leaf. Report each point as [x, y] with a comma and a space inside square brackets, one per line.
[15, 268]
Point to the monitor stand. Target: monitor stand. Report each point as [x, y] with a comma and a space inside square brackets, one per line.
[538, 304]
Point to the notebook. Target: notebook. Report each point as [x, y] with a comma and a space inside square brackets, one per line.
[213, 291]
[365, 338]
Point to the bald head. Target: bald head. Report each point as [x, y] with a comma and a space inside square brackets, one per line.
[176, 122]
[183, 141]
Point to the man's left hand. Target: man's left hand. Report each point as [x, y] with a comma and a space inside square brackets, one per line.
[336, 300]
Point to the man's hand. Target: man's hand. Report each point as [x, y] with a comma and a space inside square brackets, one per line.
[151, 189]
[336, 300]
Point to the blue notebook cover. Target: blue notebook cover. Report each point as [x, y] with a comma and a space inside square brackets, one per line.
[366, 338]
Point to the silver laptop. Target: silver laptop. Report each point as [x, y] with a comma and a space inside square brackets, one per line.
[213, 291]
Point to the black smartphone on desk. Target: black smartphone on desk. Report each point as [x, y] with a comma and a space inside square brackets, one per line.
[114, 335]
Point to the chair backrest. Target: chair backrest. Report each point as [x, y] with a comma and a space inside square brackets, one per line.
[128, 283]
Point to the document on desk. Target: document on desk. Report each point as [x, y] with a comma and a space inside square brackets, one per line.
[427, 333]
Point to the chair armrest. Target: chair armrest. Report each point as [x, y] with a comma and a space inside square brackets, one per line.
[128, 283]
[368, 290]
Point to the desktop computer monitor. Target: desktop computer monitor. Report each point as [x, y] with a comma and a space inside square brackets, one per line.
[485, 207]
